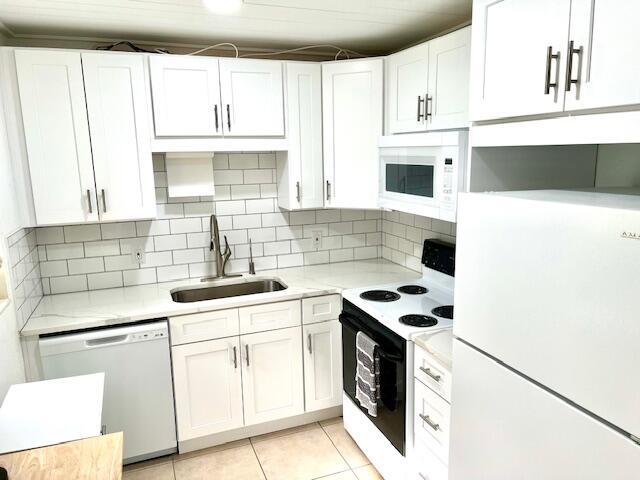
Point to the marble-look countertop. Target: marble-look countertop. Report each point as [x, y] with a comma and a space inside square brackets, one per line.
[81, 310]
[439, 344]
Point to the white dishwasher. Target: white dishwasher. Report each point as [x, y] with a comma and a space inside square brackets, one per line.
[138, 390]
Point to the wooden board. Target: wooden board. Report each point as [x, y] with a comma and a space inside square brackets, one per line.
[98, 458]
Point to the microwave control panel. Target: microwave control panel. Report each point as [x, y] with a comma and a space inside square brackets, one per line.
[447, 181]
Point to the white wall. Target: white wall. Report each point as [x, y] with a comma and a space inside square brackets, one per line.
[618, 165]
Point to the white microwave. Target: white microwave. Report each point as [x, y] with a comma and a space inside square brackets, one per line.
[422, 173]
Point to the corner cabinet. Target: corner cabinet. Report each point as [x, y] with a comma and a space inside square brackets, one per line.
[427, 86]
[213, 97]
[352, 124]
[89, 154]
[300, 169]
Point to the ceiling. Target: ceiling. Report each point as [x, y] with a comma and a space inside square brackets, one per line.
[368, 26]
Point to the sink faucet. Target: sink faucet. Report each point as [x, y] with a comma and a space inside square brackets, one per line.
[220, 256]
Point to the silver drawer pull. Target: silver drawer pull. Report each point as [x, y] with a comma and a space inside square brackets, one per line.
[89, 200]
[246, 349]
[428, 421]
[428, 371]
[235, 357]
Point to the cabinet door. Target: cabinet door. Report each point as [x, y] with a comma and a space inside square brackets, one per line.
[607, 68]
[186, 96]
[448, 101]
[406, 89]
[57, 136]
[120, 140]
[322, 365]
[509, 58]
[304, 115]
[208, 387]
[272, 375]
[252, 97]
[352, 125]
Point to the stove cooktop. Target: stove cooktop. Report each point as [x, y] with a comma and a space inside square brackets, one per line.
[413, 289]
[444, 311]
[380, 296]
[418, 320]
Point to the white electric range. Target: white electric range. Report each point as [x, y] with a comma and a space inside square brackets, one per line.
[391, 315]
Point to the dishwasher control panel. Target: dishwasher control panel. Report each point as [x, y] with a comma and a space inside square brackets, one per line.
[148, 335]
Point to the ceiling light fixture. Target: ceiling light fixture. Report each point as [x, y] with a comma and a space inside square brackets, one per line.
[222, 6]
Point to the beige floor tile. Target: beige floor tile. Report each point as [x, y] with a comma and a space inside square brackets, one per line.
[330, 421]
[148, 463]
[304, 455]
[348, 475]
[367, 473]
[345, 445]
[217, 448]
[286, 431]
[238, 463]
[163, 471]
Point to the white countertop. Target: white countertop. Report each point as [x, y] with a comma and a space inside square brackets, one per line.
[75, 311]
[439, 344]
[44, 413]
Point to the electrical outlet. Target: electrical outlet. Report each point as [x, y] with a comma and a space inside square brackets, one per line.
[317, 239]
[138, 256]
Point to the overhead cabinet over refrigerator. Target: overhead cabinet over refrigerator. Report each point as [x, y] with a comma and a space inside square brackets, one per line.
[89, 154]
[585, 56]
[211, 97]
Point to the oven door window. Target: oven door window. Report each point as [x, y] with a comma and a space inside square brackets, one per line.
[410, 179]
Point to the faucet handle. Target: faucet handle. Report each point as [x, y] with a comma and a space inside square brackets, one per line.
[227, 249]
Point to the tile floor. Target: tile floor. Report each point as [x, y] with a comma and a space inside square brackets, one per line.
[321, 450]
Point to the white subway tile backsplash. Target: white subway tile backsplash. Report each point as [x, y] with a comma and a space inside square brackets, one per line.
[247, 221]
[170, 210]
[97, 281]
[243, 161]
[227, 177]
[119, 262]
[85, 265]
[49, 235]
[340, 228]
[293, 260]
[264, 205]
[118, 230]
[327, 216]
[302, 217]
[157, 259]
[170, 242]
[310, 230]
[82, 233]
[267, 234]
[365, 253]
[139, 277]
[277, 248]
[364, 226]
[130, 245]
[342, 255]
[243, 192]
[160, 179]
[350, 215]
[268, 190]
[220, 161]
[75, 283]
[275, 219]
[357, 240]
[230, 207]
[267, 160]
[102, 248]
[204, 269]
[54, 268]
[234, 237]
[198, 240]
[258, 176]
[289, 232]
[64, 251]
[266, 263]
[302, 245]
[185, 225]
[223, 192]
[199, 209]
[315, 258]
[174, 272]
[194, 255]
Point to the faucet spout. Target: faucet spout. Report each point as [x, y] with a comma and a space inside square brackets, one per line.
[221, 257]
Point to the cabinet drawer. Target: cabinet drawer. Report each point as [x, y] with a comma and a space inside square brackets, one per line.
[431, 421]
[427, 466]
[432, 373]
[320, 309]
[204, 326]
[270, 316]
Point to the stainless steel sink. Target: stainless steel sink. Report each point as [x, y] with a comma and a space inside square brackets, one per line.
[211, 292]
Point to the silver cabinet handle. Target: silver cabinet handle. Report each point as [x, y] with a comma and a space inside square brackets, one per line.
[246, 349]
[235, 357]
[328, 189]
[547, 77]
[104, 202]
[298, 191]
[428, 101]
[228, 118]
[431, 374]
[420, 114]
[215, 114]
[428, 421]
[571, 52]
[309, 344]
[89, 200]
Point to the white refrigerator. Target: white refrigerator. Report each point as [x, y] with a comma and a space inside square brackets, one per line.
[546, 381]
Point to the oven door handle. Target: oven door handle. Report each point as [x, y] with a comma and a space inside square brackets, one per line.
[351, 322]
[389, 356]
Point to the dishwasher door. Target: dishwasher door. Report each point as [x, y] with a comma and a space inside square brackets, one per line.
[138, 390]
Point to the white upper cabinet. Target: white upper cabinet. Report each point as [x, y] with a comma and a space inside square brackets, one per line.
[57, 136]
[518, 57]
[272, 382]
[252, 97]
[120, 138]
[605, 63]
[186, 96]
[447, 105]
[352, 124]
[407, 89]
[300, 170]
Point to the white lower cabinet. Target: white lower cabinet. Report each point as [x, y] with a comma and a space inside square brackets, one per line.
[272, 381]
[208, 387]
[322, 365]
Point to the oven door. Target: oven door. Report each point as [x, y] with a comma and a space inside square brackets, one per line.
[392, 351]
